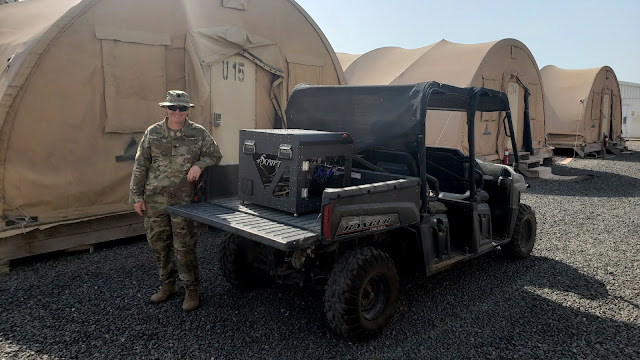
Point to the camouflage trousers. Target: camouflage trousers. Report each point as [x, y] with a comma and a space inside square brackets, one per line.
[173, 241]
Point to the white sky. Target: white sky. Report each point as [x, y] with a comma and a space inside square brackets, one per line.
[570, 34]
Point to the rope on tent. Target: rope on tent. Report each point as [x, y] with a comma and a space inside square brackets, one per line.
[276, 104]
[445, 126]
[6, 69]
[575, 144]
[24, 219]
[275, 71]
[272, 69]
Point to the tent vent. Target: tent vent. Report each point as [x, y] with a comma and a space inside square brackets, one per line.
[513, 52]
[138, 37]
[129, 152]
[235, 4]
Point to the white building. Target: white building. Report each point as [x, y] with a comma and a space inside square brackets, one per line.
[630, 96]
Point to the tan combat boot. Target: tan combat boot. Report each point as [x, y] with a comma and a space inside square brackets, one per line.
[168, 289]
[191, 300]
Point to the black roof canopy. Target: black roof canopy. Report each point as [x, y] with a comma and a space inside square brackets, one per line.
[386, 116]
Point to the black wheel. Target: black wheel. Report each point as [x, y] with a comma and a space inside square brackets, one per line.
[237, 257]
[524, 234]
[361, 293]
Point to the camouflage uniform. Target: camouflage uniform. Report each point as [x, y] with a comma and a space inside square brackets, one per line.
[159, 179]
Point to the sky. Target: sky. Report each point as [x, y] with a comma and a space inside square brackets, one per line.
[569, 34]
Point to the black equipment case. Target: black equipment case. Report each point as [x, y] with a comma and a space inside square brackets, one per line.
[288, 169]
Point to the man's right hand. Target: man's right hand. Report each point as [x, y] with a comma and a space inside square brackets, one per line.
[140, 207]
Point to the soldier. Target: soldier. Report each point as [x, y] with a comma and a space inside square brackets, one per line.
[170, 158]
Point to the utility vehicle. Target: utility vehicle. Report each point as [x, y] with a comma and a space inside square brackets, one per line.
[357, 194]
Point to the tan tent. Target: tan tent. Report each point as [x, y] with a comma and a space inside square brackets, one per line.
[85, 77]
[346, 59]
[581, 106]
[505, 65]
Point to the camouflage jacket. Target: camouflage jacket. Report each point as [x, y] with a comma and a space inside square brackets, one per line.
[163, 160]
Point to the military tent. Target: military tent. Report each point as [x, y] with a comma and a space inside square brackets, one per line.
[581, 107]
[505, 65]
[346, 59]
[84, 78]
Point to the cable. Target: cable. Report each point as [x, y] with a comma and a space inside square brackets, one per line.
[26, 219]
[445, 126]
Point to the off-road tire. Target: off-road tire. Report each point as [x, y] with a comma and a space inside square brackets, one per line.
[236, 258]
[357, 275]
[524, 234]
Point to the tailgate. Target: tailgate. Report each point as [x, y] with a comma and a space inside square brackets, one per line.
[274, 228]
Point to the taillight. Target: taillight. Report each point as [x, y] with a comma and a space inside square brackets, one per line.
[326, 222]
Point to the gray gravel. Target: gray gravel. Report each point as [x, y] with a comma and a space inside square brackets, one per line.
[577, 297]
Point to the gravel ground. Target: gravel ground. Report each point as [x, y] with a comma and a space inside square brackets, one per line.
[577, 297]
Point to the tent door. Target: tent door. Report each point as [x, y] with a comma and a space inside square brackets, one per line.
[233, 103]
[513, 94]
[625, 121]
[606, 115]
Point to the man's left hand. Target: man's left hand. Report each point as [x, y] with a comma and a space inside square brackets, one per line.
[194, 173]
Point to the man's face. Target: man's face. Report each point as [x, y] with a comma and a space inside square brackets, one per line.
[175, 115]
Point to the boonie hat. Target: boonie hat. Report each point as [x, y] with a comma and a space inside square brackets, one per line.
[177, 97]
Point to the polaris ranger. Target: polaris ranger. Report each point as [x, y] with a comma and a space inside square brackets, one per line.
[357, 193]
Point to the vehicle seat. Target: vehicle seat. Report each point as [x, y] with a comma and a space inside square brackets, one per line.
[449, 167]
[437, 207]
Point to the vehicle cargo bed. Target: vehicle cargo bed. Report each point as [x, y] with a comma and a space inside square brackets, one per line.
[275, 228]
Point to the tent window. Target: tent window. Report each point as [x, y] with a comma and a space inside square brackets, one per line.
[304, 70]
[235, 4]
[595, 106]
[132, 93]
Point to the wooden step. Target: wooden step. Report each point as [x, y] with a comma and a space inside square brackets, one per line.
[613, 150]
[79, 236]
[530, 163]
[524, 155]
[536, 172]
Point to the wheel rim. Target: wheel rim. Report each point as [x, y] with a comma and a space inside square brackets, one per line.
[373, 297]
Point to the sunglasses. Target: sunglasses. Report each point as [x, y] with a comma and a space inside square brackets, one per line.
[179, 108]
